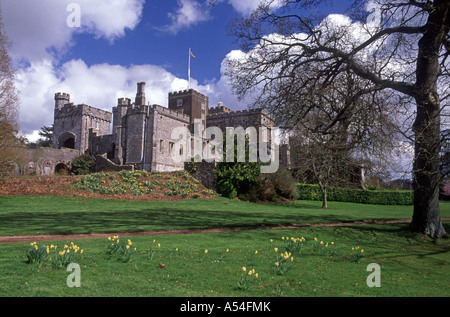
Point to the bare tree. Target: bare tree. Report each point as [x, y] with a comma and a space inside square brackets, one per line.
[401, 49]
[8, 107]
[339, 138]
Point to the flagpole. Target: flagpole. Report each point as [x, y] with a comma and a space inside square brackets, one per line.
[189, 70]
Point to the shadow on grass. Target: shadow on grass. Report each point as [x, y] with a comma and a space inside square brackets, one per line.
[54, 222]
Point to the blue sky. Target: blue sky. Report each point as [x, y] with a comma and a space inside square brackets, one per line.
[150, 42]
[118, 44]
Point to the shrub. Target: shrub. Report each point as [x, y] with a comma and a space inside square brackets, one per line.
[278, 184]
[83, 165]
[236, 178]
[226, 189]
[376, 197]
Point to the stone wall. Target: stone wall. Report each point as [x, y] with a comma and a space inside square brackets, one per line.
[204, 172]
[102, 163]
[44, 161]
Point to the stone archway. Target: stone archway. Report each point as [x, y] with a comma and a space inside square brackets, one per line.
[67, 140]
[61, 169]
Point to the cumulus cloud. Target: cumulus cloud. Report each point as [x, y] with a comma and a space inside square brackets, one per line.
[40, 27]
[188, 13]
[97, 85]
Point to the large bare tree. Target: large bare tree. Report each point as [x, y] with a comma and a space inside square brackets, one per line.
[396, 48]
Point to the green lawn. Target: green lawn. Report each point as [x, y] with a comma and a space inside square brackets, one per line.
[178, 266]
[409, 265]
[28, 215]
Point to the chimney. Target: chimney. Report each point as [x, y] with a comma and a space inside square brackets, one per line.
[140, 95]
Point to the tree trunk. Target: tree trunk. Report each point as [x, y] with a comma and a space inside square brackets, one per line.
[426, 217]
[324, 198]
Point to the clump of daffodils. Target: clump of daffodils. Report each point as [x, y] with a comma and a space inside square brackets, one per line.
[121, 251]
[244, 280]
[67, 255]
[357, 254]
[60, 258]
[284, 262]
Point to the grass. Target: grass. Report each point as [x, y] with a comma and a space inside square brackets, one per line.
[28, 215]
[180, 267]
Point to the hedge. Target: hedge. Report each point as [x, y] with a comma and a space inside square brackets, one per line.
[376, 197]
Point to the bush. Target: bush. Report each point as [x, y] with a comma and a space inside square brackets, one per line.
[376, 197]
[83, 165]
[278, 184]
[236, 178]
[226, 189]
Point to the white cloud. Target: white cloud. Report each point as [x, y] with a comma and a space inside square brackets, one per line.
[98, 85]
[37, 26]
[245, 7]
[188, 13]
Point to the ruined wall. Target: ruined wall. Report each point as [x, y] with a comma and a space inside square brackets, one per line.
[44, 161]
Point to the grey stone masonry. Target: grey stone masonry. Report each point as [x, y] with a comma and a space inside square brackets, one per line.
[72, 123]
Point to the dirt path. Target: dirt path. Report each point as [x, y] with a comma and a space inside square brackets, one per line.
[31, 238]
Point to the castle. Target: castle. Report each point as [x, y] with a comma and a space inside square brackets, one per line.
[137, 135]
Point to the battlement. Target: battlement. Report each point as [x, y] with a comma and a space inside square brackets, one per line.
[61, 98]
[184, 92]
[62, 95]
[220, 108]
[124, 102]
[171, 113]
[142, 109]
[72, 110]
[257, 111]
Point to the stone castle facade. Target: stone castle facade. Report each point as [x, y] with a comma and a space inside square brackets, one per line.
[137, 135]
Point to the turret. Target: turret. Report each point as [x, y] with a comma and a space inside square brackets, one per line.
[61, 99]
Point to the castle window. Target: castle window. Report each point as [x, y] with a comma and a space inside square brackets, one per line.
[171, 147]
[181, 149]
[179, 102]
[203, 106]
[161, 146]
